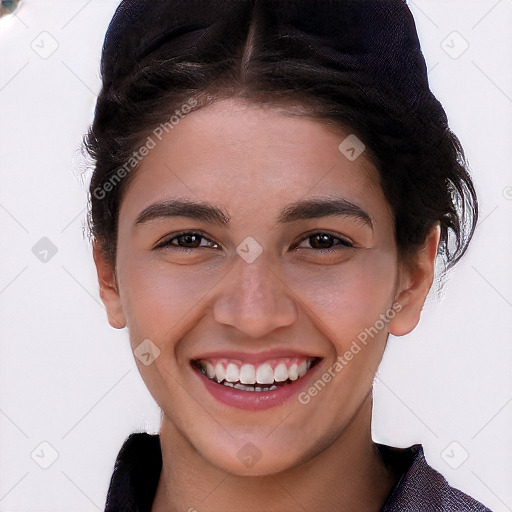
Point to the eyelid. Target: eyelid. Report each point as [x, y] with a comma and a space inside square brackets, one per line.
[346, 242]
[165, 240]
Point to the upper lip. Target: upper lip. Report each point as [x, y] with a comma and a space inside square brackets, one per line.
[254, 358]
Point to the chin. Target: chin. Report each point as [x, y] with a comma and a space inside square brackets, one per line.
[253, 460]
[247, 454]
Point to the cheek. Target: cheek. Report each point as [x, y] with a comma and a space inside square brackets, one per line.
[349, 298]
[158, 298]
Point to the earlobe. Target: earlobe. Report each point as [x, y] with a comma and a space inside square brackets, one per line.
[416, 279]
[108, 288]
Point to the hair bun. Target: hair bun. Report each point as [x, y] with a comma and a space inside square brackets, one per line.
[374, 39]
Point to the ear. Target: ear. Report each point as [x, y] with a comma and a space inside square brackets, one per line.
[108, 288]
[415, 280]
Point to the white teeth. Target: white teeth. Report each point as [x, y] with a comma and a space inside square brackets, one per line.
[232, 373]
[248, 374]
[250, 388]
[210, 370]
[243, 388]
[220, 373]
[303, 368]
[292, 372]
[280, 373]
[265, 374]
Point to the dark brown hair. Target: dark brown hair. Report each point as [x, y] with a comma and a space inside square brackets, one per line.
[289, 55]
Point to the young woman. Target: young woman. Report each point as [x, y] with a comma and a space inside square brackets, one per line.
[273, 183]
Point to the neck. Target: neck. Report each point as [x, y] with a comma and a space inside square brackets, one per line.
[347, 475]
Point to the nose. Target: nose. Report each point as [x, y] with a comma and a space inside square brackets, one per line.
[254, 300]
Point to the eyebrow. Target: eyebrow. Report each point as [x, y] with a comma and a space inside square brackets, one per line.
[303, 209]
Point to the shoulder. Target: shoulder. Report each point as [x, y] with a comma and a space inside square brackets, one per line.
[422, 488]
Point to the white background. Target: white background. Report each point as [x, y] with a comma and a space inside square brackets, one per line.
[68, 379]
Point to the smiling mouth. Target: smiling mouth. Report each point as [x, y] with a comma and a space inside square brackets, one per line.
[267, 376]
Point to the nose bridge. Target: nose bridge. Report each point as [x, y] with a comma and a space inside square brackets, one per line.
[254, 300]
[258, 290]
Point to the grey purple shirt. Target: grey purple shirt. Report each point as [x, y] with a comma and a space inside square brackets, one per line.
[420, 488]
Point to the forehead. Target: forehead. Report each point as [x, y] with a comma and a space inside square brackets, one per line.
[234, 152]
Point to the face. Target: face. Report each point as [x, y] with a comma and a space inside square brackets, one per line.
[253, 252]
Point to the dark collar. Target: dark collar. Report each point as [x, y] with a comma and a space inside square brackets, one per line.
[139, 463]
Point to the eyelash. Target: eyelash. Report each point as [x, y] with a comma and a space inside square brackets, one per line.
[343, 243]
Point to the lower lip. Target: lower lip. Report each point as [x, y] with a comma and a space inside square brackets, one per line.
[256, 400]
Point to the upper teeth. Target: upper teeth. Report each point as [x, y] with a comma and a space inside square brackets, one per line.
[267, 373]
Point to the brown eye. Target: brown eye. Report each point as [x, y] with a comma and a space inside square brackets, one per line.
[321, 241]
[188, 240]
[325, 241]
